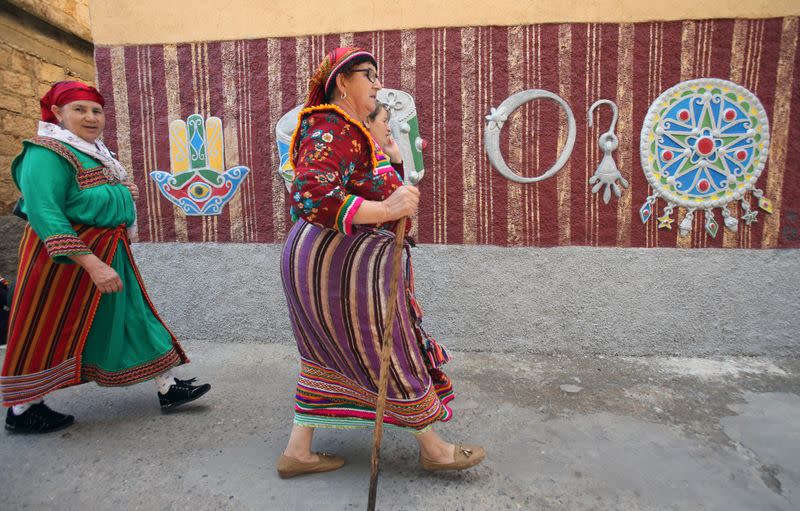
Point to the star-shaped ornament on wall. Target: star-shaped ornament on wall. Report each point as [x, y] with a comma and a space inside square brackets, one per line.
[750, 217]
[665, 222]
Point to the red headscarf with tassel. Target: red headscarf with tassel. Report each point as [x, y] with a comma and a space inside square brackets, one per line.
[62, 93]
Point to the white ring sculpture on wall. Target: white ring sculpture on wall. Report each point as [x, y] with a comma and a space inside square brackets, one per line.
[499, 115]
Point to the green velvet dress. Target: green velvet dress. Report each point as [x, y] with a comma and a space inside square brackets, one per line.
[127, 342]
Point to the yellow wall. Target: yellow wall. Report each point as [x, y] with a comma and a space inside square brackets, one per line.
[156, 21]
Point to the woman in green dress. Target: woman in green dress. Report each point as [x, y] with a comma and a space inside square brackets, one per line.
[80, 311]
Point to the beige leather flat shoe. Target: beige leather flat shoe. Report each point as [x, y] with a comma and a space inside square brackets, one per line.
[465, 456]
[291, 467]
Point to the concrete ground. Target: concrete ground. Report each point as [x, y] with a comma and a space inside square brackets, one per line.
[563, 432]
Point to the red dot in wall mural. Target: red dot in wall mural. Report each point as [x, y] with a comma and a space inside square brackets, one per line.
[730, 114]
[741, 155]
[667, 155]
[683, 115]
[703, 185]
[705, 145]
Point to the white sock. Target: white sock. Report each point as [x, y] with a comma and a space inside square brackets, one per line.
[164, 382]
[20, 409]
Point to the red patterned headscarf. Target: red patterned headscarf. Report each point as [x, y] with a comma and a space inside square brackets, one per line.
[62, 93]
[324, 78]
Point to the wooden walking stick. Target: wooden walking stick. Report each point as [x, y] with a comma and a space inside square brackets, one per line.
[386, 353]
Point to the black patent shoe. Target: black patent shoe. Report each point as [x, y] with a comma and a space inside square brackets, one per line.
[181, 392]
[37, 419]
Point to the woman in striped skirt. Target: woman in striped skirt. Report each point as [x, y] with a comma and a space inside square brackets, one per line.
[79, 311]
[346, 197]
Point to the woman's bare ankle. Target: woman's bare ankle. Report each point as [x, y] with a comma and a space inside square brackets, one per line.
[304, 455]
[299, 445]
[436, 449]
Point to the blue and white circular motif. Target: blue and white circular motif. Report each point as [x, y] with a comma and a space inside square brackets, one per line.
[704, 143]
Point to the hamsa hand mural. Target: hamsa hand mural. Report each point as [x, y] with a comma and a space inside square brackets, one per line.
[197, 183]
[403, 123]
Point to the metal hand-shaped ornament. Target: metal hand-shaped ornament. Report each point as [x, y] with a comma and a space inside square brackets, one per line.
[197, 183]
[607, 173]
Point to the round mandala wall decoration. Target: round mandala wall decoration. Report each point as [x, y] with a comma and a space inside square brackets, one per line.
[704, 144]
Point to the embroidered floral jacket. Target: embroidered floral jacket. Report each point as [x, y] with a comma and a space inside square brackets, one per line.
[337, 167]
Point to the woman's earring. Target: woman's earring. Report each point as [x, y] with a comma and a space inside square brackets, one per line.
[344, 95]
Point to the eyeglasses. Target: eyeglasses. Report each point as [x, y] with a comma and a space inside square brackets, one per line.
[370, 73]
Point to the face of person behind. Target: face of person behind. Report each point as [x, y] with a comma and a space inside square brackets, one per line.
[379, 128]
[361, 85]
[85, 119]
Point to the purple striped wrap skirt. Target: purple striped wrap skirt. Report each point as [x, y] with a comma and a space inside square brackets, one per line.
[337, 287]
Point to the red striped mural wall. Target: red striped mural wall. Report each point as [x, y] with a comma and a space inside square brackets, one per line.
[456, 76]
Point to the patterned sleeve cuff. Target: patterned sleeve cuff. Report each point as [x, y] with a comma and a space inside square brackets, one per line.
[61, 245]
[344, 219]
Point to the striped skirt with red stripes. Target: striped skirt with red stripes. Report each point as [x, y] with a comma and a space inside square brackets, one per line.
[52, 311]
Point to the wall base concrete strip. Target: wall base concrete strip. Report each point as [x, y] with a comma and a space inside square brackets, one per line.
[528, 300]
